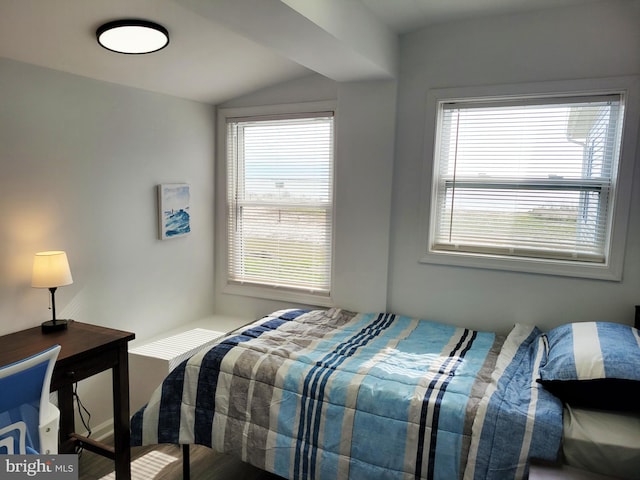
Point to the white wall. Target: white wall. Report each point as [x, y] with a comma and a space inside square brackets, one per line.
[80, 161]
[568, 43]
[365, 123]
[572, 43]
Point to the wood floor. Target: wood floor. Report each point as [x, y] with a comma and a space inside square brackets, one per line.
[164, 462]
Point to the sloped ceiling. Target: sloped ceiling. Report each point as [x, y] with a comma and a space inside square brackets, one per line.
[221, 49]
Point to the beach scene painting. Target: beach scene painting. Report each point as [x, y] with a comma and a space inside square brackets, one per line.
[173, 209]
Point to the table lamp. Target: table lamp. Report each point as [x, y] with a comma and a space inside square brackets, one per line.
[51, 270]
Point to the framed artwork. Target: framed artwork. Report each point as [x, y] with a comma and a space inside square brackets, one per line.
[174, 218]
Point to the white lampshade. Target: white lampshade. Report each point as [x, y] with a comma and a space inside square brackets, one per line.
[51, 269]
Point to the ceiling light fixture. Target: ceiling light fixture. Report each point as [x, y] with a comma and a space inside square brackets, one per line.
[132, 36]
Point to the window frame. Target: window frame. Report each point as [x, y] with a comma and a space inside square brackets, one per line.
[269, 292]
[611, 269]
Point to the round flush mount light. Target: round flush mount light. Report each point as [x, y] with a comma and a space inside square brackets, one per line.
[132, 36]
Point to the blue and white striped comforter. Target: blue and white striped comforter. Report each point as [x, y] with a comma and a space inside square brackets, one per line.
[338, 395]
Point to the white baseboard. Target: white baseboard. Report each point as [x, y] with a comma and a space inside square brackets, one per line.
[102, 431]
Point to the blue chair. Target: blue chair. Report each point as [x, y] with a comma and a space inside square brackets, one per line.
[29, 423]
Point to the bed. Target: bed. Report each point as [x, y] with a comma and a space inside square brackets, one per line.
[333, 394]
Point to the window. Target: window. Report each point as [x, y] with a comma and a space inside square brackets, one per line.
[520, 182]
[280, 202]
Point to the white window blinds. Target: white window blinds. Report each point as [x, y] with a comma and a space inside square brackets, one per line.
[527, 178]
[280, 201]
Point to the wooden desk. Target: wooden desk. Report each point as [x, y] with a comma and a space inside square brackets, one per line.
[86, 350]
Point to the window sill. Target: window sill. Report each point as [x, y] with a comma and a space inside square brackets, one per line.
[274, 293]
[526, 265]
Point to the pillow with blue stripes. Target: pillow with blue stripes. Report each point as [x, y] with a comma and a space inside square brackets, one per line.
[594, 365]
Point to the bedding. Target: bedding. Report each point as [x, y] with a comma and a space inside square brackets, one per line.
[332, 394]
[594, 365]
[600, 441]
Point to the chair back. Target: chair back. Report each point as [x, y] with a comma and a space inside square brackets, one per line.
[24, 401]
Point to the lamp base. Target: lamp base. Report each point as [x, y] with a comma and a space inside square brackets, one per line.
[54, 326]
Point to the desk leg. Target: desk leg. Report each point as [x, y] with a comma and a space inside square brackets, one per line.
[67, 418]
[121, 430]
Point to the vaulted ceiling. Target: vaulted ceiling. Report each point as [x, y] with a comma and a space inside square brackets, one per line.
[224, 48]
